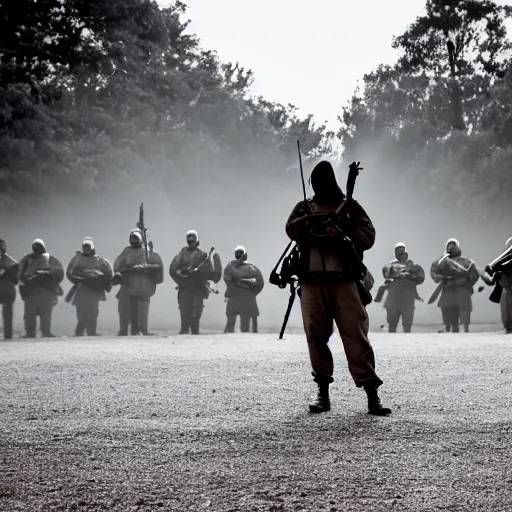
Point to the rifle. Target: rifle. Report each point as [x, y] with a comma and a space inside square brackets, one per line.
[288, 274]
[460, 272]
[190, 270]
[144, 233]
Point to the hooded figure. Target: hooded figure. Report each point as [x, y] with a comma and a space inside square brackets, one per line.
[403, 276]
[192, 269]
[8, 280]
[244, 282]
[328, 277]
[457, 276]
[92, 279]
[138, 278]
[40, 275]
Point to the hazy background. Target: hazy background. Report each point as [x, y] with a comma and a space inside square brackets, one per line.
[313, 58]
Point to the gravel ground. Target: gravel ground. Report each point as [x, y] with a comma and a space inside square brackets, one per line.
[220, 423]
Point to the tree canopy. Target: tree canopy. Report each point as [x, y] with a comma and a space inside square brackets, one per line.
[98, 95]
[440, 119]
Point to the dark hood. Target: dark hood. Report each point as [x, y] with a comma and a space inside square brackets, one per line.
[324, 184]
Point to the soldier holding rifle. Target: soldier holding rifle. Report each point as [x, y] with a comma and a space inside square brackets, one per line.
[192, 269]
[138, 269]
[402, 277]
[333, 232]
[244, 282]
[456, 276]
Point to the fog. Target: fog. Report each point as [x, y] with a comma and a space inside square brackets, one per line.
[233, 214]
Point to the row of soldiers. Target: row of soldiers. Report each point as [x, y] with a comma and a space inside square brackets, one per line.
[455, 275]
[138, 270]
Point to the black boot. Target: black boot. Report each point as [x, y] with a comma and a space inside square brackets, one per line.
[322, 402]
[374, 405]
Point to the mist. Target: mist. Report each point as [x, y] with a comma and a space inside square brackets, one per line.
[237, 213]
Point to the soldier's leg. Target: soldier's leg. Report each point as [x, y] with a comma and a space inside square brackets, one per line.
[81, 316]
[318, 319]
[230, 324]
[231, 314]
[245, 320]
[465, 318]
[393, 317]
[455, 319]
[134, 315]
[45, 315]
[143, 319]
[185, 307]
[197, 311]
[30, 316]
[352, 321]
[123, 308]
[254, 324]
[93, 311]
[7, 313]
[447, 318]
[408, 316]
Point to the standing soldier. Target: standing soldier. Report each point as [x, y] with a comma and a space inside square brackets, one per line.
[191, 269]
[456, 276]
[8, 281]
[139, 279]
[244, 282]
[91, 277]
[328, 286]
[40, 275]
[403, 277]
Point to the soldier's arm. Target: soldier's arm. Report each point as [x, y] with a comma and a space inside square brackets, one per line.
[387, 271]
[228, 274]
[70, 271]
[173, 272]
[56, 269]
[22, 270]
[106, 268]
[119, 262]
[356, 224]
[434, 272]
[473, 275]
[297, 225]
[157, 272]
[417, 275]
[260, 282]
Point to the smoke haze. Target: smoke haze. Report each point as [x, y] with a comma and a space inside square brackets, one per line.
[233, 214]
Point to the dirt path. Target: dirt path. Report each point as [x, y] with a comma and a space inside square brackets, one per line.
[216, 423]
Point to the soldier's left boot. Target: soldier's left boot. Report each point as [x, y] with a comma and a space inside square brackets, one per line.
[374, 404]
[322, 403]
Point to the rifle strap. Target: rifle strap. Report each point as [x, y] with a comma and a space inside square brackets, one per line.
[293, 293]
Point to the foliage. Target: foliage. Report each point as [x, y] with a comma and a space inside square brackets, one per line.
[97, 96]
[440, 119]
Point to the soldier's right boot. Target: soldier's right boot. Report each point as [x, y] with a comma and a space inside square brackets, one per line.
[322, 402]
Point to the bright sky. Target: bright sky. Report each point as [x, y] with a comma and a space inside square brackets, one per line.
[312, 56]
